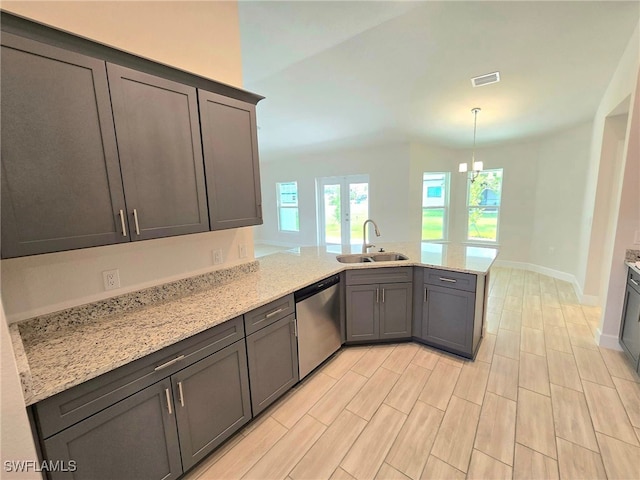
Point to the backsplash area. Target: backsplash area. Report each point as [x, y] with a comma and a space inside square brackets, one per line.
[632, 256]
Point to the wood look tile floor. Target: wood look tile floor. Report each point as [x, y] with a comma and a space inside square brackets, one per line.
[540, 401]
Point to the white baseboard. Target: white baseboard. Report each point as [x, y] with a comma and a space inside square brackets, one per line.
[607, 341]
[550, 272]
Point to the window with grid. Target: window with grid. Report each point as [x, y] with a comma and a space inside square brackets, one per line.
[288, 218]
[483, 204]
[435, 203]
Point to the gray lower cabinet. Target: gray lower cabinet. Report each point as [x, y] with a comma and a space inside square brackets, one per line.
[449, 309]
[230, 144]
[157, 127]
[630, 326]
[376, 310]
[135, 438]
[273, 362]
[156, 417]
[61, 183]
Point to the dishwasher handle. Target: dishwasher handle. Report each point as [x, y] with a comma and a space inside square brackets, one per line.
[314, 288]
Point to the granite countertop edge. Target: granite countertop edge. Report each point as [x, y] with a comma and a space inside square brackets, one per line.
[64, 371]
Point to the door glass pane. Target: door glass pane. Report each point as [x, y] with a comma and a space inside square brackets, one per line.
[483, 223]
[432, 223]
[289, 221]
[332, 215]
[358, 209]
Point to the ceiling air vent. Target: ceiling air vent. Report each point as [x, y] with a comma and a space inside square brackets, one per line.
[486, 79]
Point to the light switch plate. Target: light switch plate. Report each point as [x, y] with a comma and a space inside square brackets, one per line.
[242, 250]
[217, 257]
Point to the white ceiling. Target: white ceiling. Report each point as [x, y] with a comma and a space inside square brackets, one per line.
[338, 74]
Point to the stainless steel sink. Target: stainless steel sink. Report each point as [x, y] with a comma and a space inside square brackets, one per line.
[388, 257]
[371, 257]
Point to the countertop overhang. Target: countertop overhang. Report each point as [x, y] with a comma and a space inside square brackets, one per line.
[54, 357]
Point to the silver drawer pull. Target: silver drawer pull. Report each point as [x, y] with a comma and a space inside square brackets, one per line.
[377, 295]
[450, 280]
[166, 391]
[383, 295]
[425, 295]
[275, 312]
[169, 363]
[181, 393]
[634, 282]
[135, 218]
[124, 229]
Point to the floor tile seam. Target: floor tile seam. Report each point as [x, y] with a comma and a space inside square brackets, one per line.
[624, 408]
[478, 427]
[573, 442]
[327, 392]
[318, 439]
[573, 347]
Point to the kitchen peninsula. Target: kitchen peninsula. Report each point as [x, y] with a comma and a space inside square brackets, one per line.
[79, 364]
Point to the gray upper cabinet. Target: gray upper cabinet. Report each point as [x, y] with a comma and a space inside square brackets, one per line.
[157, 127]
[230, 145]
[135, 438]
[61, 183]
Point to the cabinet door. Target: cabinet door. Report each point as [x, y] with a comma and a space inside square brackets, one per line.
[61, 184]
[395, 310]
[230, 143]
[447, 319]
[363, 313]
[212, 401]
[630, 329]
[273, 362]
[158, 133]
[135, 438]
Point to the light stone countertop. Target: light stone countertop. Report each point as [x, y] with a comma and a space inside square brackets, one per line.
[635, 266]
[54, 354]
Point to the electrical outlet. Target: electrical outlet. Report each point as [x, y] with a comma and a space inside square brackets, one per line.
[111, 279]
[217, 257]
[242, 250]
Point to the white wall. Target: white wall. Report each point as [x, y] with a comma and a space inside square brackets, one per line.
[559, 199]
[388, 170]
[15, 433]
[202, 37]
[542, 198]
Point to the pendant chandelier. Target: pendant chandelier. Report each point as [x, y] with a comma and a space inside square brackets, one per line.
[476, 167]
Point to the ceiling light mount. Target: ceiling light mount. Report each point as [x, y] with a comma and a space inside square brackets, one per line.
[476, 167]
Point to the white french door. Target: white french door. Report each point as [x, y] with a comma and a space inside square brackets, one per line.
[343, 206]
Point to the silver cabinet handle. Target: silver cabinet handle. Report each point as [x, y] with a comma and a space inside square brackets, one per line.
[634, 282]
[166, 391]
[293, 328]
[425, 295]
[450, 280]
[181, 394]
[377, 295]
[275, 312]
[383, 295]
[169, 363]
[124, 228]
[135, 218]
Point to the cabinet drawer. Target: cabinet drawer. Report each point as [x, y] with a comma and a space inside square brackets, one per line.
[73, 405]
[269, 313]
[634, 280]
[447, 278]
[379, 275]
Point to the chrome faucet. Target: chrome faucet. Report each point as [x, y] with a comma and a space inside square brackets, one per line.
[366, 245]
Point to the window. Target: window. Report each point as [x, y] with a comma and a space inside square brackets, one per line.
[435, 200]
[483, 202]
[288, 220]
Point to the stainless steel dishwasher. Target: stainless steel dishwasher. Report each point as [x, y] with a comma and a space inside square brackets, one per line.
[318, 323]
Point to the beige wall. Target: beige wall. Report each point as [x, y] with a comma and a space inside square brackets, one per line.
[202, 37]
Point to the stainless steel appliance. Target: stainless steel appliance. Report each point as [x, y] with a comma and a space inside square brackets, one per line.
[318, 322]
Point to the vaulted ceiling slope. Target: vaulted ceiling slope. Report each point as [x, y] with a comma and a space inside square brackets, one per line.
[345, 74]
